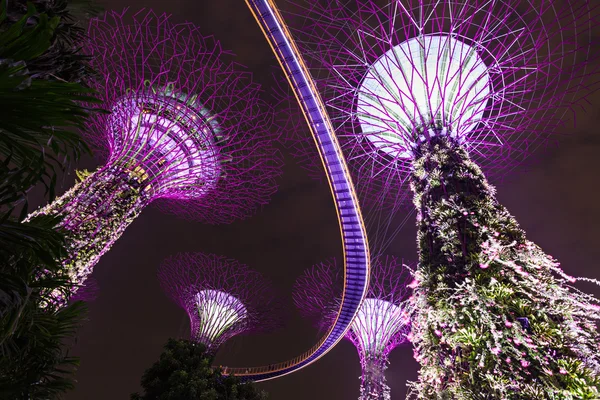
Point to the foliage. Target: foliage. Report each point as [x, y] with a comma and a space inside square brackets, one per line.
[33, 332]
[184, 372]
[61, 59]
[39, 112]
[39, 116]
[36, 138]
[496, 317]
[98, 209]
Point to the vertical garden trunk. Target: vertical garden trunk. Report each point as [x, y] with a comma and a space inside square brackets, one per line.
[496, 317]
[373, 383]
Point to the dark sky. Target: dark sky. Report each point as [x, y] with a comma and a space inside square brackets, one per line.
[556, 200]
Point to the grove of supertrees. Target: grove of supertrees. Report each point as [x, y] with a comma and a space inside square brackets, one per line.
[185, 129]
[382, 321]
[428, 95]
[222, 297]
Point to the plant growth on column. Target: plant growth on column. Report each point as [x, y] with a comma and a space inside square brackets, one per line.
[185, 129]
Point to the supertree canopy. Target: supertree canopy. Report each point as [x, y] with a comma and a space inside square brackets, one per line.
[185, 129]
[381, 324]
[222, 297]
[490, 76]
[432, 94]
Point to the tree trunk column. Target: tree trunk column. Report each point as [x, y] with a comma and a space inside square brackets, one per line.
[95, 213]
[373, 383]
[495, 317]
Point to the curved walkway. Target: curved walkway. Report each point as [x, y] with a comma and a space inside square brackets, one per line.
[354, 238]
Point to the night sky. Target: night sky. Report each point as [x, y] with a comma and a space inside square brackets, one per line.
[555, 199]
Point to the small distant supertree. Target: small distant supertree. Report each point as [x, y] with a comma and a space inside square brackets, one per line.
[222, 297]
[185, 129]
[430, 94]
[495, 78]
[381, 324]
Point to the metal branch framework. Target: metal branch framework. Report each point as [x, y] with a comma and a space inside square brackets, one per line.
[496, 76]
[381, 324]
[186, 130]
[221, 296]
[426, 92]
[204, 112]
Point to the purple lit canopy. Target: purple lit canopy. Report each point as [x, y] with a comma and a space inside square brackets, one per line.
[185, 128]
[222, 297]
[497, 77]
[183, 116]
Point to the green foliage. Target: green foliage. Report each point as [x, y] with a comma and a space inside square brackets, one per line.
[41, 107]
[33, 331]
[60, 58]
[39, 116]
[184, 372]
[496, 317]
[20, 42]
[82, 174]
[36, 133]
[99, 208]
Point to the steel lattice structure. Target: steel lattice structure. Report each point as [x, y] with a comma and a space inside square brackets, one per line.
[495, 76]
[221, 296]
[382, 321]
[186, 130]
[431, 93]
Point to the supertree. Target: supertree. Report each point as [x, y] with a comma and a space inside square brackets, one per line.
[186, 129]
[430, 94]
[381, 324]
[222, 297]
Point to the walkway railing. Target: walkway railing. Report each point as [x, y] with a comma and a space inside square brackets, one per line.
[354, 238]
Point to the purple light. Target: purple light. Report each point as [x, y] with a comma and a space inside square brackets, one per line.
[170, 142]
[187, 130]
[406, 95]
[222, 297]
[204, 133]
[497, 76]
[376, 324]
[381, 323]
[427, 92]
[215, 312]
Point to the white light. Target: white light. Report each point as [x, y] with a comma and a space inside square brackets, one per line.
[217, 311]
[376, 322]
[430, 80]
[160, 133]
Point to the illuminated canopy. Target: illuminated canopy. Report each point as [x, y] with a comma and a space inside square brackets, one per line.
[222, 297]
[216, 311]
[429, 84]
[170, 143]
[376, 323]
